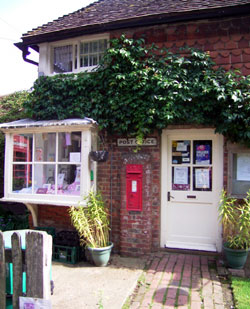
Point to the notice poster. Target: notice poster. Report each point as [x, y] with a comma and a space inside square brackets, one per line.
[181, 152]
[202, 178]
[243, 167]
[180, 175]
[202, 154]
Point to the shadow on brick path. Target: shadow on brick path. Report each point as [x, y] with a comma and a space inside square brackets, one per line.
[173, 280]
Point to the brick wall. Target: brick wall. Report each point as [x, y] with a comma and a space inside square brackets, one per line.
[133, 232]
[227, 40]
[53, 216]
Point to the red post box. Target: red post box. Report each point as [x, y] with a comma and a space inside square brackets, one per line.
[134, 187]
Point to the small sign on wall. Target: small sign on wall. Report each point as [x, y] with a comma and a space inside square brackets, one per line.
[34, 303]
[149, 141]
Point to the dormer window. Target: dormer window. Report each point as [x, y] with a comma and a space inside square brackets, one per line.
[47, 162]
[78, 55]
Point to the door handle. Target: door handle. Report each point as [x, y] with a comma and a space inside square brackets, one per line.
[169, 196]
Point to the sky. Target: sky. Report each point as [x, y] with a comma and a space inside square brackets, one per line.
[18, 17]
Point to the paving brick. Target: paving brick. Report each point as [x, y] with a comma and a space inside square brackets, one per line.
[171, 293]
[195, 305]
[183, 291]
[237, 272]
[182, 300]
[195, 296]
[218, 298]
[208, 303]
[170, 302]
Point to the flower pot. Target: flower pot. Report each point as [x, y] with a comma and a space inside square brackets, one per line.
[236, 258]
[101, 256]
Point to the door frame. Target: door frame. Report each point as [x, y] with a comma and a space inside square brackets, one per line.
[218, 164]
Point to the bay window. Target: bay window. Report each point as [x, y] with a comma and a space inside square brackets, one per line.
[49, 164]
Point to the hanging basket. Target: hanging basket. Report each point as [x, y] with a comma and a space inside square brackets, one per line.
[99, 156]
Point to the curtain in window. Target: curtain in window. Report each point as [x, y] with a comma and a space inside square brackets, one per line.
[63, 59]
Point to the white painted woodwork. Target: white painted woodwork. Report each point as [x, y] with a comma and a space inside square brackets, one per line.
[191, 223]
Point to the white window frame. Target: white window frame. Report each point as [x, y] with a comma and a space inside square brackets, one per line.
[75, 42]
[234, 149]
[88, 143]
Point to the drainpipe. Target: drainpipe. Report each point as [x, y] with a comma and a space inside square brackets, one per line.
[111, 195]
[25, 51]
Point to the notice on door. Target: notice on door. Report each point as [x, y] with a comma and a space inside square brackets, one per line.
[180, 175]
[202, 178]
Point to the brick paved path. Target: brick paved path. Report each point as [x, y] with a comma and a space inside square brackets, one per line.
[181, 281]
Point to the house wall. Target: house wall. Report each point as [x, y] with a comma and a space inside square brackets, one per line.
[136, 233]
[227, 40]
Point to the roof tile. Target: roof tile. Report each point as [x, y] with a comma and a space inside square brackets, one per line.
[107, 11]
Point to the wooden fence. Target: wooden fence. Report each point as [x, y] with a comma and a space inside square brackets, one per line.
[35, 260]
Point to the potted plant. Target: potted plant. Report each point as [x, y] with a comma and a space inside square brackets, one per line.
[92, 224]
[235, 216]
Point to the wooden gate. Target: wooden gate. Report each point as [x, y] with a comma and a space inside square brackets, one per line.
[35, 260]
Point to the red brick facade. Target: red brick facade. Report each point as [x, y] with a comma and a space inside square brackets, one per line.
[227, 40]
[136, 233]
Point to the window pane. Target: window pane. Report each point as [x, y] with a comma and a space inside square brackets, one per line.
[180, 152]
[241, 173]
[69, 147]
[45, 147]
[92, 52]
[202, 152]
[95, 46]
[22, 151]
[95, 62]
[44, 179]
[86, 61]
[22, 178]
[202, 178]
[68, 179]
[180, 178]
[63, 59]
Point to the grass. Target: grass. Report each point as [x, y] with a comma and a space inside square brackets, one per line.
[241, 291]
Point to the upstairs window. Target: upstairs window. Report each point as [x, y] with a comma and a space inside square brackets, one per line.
[91, 53]
[63, 59]
[78, 56]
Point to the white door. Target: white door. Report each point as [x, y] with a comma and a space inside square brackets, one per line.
[192, 179]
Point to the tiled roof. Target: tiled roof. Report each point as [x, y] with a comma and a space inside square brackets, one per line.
[110, 11]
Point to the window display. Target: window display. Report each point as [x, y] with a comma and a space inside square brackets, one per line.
[49, 160]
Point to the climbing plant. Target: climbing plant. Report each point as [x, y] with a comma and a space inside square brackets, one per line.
[138, 88]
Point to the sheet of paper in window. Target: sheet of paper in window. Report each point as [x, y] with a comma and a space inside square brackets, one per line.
[75, 157]
[181, 146]
[181, 175]
[202, 178]
[243, 167]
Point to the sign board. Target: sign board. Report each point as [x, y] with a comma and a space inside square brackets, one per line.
[34, 303]
[149, 141]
